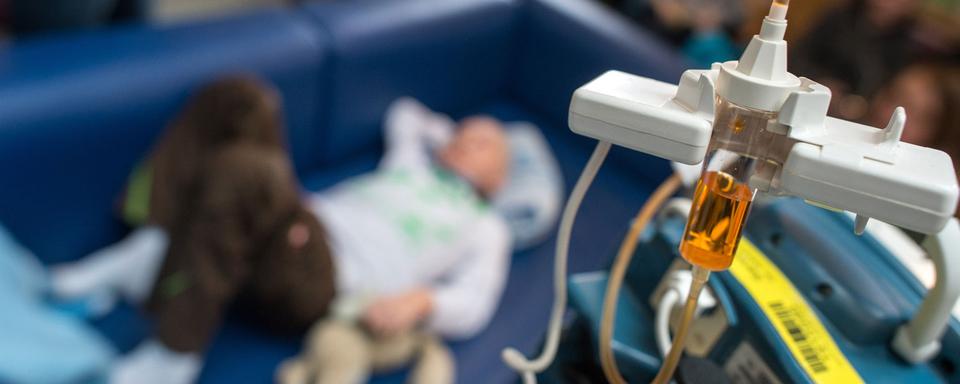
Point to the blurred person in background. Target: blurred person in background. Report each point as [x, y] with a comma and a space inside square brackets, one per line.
[803, 16]
[930, 93]
[702, 29]
[857, 49]
[414, 244]
[939, 27]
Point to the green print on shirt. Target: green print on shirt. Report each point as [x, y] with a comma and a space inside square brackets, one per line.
[440, 187]
[413, 227]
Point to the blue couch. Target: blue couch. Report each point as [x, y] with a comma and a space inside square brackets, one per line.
[79, 111]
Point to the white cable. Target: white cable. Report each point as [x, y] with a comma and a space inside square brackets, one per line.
[515, 359]
[662, 322]
[529, 377]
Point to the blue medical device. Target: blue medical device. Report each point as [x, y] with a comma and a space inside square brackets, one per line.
[859, 291]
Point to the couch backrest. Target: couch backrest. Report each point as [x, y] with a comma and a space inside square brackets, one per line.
[565, 43]
[79, 111]
[450, 54]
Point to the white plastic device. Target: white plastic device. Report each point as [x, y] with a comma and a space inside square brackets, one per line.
[829, 162]
[835, 163]
[641, 114]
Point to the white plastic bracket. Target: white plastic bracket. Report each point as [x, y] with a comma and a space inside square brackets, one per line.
[697, 92]
[893, 131]
[647, 115]
[918, 340]
[805, 113]
[805, 110]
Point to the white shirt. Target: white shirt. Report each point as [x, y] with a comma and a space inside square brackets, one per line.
[411, 224]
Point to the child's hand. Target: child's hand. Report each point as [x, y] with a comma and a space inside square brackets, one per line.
[392, 315]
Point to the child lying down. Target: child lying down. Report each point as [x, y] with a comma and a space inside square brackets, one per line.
[413, 245]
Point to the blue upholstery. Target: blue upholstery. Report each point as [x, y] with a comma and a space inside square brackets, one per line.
[567, 43]
[78, 112]
[388, 49]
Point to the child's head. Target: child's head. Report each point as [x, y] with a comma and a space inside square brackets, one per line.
[479, 153]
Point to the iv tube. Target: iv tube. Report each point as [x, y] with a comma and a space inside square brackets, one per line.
[741, 148]
[627, 248]
[738, 150]
[742, 154]
[700, 277]
[778, 10]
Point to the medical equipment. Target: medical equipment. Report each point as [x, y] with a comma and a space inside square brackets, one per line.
[805, 301]
[757, 127]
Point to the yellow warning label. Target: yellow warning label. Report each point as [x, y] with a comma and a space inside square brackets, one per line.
[798, 326]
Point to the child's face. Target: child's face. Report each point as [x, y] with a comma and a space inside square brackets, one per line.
[479, 153]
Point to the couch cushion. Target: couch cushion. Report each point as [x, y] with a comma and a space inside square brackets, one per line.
[448, 54]
[79, 111]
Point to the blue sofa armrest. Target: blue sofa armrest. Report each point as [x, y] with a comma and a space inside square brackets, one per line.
[79, 111]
